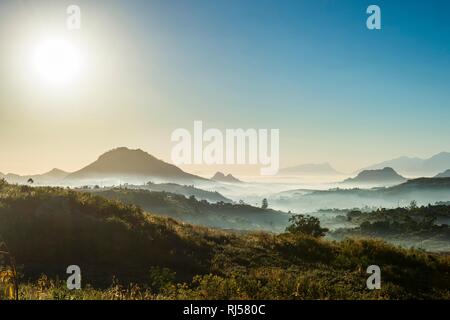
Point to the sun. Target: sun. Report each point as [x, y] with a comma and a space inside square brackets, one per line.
[56, 61]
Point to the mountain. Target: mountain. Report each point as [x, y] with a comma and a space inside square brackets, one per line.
[416, 166]
[52, 177]
[311, 169]
[445, 174]
[219, 176]
[126, 165]
[54, 174]
[382, 177]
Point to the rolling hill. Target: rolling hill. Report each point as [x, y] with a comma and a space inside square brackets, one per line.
[218, 215]
[187, 191]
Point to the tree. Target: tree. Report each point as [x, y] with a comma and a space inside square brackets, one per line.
[307, 225]
[413, 205]
[265, 204]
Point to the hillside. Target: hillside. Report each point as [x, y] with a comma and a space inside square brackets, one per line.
[219, 215]
[48, 229]
[187, 191]
[379, 177]
[126, 165]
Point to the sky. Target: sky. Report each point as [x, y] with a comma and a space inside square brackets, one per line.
[338, 92]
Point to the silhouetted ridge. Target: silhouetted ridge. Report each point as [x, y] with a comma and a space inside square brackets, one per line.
[385, 175]
[445, 174]
[123, 162]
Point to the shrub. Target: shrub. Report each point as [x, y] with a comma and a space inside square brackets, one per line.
[307, 225]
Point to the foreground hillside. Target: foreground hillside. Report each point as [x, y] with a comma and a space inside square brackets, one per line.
[47, 229]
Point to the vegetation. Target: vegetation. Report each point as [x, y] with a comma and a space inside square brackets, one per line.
[223, 215]
[9, 287]
[425, 226]
[125, 253]
[307, 225]
[422, 215]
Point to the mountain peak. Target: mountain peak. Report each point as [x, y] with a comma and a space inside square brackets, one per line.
[124, 152]
[56, 173]
[123, 163]
[384, 176]
[219, 176]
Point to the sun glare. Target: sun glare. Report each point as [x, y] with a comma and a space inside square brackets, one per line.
[56, 61]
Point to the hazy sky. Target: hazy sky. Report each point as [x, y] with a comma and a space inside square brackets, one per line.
[337, 91]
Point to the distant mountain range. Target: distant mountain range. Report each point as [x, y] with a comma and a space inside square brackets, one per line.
[49, 177]
[310, 169]
[219, 176]
[380, 177]
[121, 164]
[416, 166]
[422, 190]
